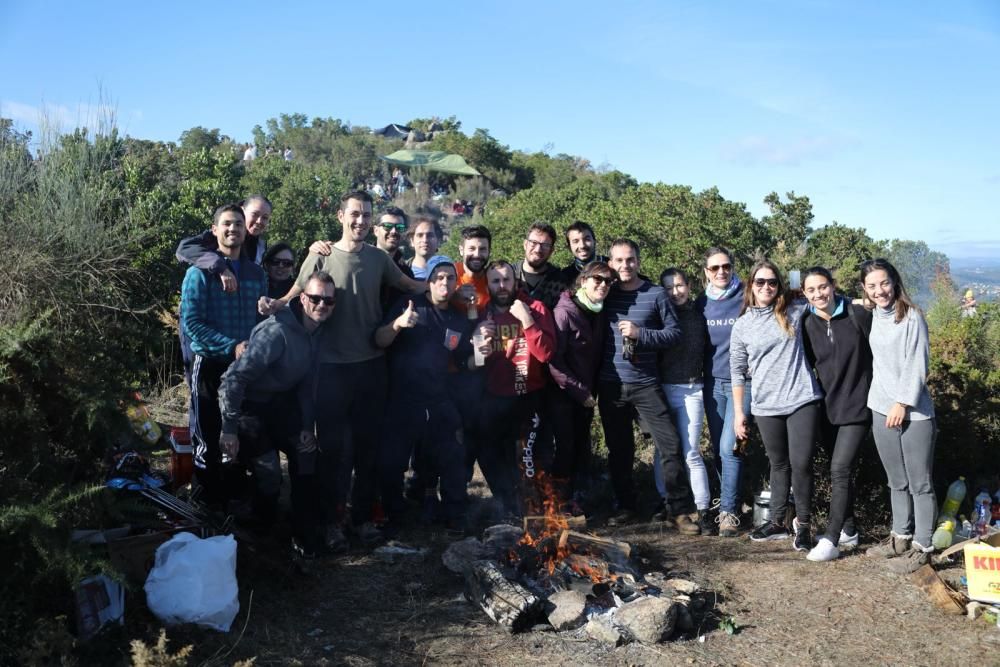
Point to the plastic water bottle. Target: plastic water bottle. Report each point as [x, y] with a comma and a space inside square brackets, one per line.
[953, 499]
[944, 534]
[983, 511]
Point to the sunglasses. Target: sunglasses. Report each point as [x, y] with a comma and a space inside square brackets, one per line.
[715, 268]
[770, 282]
[603, 280]
[398, 226]
[283, 263]
[317, 299]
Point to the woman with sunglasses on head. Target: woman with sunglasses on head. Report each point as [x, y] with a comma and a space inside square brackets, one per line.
[570, 400]
[767, 346]
[279, 263]
[682, 374]
[835, 334]
[902, 415]
[721, 304]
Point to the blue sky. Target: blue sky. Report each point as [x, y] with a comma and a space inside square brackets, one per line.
[884, 114]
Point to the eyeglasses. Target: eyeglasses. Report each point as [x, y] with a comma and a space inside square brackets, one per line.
[317, 299]
[719, 267]
[603, 280]
[539, 244]
[283, 263]
[760, 282]
[389, 226]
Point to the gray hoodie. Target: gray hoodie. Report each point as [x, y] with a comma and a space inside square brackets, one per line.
[900, 353]
[761, 349]
[280, 356]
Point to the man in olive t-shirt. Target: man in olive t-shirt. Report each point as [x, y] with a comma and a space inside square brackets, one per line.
[352, 384]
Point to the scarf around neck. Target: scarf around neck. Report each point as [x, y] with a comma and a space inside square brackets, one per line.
[717, 294]
[581, 296]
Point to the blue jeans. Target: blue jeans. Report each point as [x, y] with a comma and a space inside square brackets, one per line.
[729, 466]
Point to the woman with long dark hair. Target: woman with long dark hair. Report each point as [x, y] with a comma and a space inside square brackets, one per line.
[767, 346]
[682, 374]
[902, 415]
[279, 263]
[721, 304]
[570, 401]
[835, 334]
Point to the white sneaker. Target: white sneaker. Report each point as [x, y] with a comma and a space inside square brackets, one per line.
[823, 551]
[849, 540]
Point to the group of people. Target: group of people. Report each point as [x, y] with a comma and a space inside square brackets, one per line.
[382, 376]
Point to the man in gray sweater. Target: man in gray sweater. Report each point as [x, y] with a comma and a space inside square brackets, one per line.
[267, 399]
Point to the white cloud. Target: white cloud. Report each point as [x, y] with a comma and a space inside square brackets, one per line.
[756, 149]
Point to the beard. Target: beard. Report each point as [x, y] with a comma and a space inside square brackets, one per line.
[475, 264]
[536, 264]
[502, 298]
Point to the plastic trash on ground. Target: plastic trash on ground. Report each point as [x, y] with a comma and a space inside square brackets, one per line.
[194, 581]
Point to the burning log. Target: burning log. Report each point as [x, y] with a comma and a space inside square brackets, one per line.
[512, 606]
[540, 523]
[612, 550]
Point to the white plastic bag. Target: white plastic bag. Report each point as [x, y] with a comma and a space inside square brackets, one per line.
[194, 581]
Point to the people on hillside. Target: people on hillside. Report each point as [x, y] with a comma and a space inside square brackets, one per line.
[721, 304]
[766, 344]
[835, 334]
[903, 419]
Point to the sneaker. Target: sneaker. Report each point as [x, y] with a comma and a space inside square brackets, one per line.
[336, 541]
[803, 537]
[369, 533]
[769, 531]
[687, 524]
[623, 518]
[729, 524]
[823, 551]
[849, 541]
[911, 561]
[706, 523]
[892, 546]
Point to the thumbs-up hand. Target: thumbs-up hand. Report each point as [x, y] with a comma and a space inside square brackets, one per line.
[408, 318]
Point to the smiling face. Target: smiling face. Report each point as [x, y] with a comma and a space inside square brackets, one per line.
[389, 232]
[356, 219]
[819, 292]
[597, 286]
[879, 288]
[475, 253]
[538, 248]
[318, 300]
[625, 262]
[258, 216]
[581, 244]
[230, 230]
[677, 289]
[765, 287]
[279, 267]
[719, 270]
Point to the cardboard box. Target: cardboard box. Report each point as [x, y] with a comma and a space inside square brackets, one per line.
[135, 556]
[982, 569]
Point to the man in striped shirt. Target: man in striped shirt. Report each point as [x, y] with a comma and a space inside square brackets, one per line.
[641, 322]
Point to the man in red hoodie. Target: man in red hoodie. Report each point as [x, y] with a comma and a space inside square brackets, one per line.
[519, 335]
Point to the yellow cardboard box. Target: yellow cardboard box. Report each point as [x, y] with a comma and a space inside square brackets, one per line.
[982, 569]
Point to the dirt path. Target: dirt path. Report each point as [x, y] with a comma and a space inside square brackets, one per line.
[357, 610]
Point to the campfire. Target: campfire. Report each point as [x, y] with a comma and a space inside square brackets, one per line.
[552, 571]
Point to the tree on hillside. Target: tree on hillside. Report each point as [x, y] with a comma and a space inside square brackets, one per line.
[918, 265]
[200, 137]
[841, 249]
[789, 223]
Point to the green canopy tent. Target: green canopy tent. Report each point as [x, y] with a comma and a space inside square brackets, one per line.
[446, 163]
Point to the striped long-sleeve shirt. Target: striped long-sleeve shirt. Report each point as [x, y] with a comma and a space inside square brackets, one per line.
[649, 309]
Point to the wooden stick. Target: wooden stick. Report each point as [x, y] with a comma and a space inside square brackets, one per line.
[611, 549]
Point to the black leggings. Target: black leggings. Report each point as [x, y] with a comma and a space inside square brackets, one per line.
[789, 441]
[842, 443]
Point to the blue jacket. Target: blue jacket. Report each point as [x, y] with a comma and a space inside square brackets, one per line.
[216, 321]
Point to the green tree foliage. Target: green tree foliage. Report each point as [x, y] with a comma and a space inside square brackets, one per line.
[200, 138]
[841, 249]
[789, 223]
[918, 265]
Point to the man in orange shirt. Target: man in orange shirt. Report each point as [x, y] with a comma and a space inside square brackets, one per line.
[475, 252]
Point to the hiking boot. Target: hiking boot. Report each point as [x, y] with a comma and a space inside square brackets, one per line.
[803, 537]
[687, 524]
[823, 551]
[911, 561]
[849, 541]
[729, 524]
[369, 533]
[623, 518]
[706, 523]
[894, 545]
[336, 541]
[769, 531]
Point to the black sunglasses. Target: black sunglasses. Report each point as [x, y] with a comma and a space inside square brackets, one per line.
[770, 282]
[601, 280]
[398, 226]
[317, 299]
[717, 267]
[284, 263]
